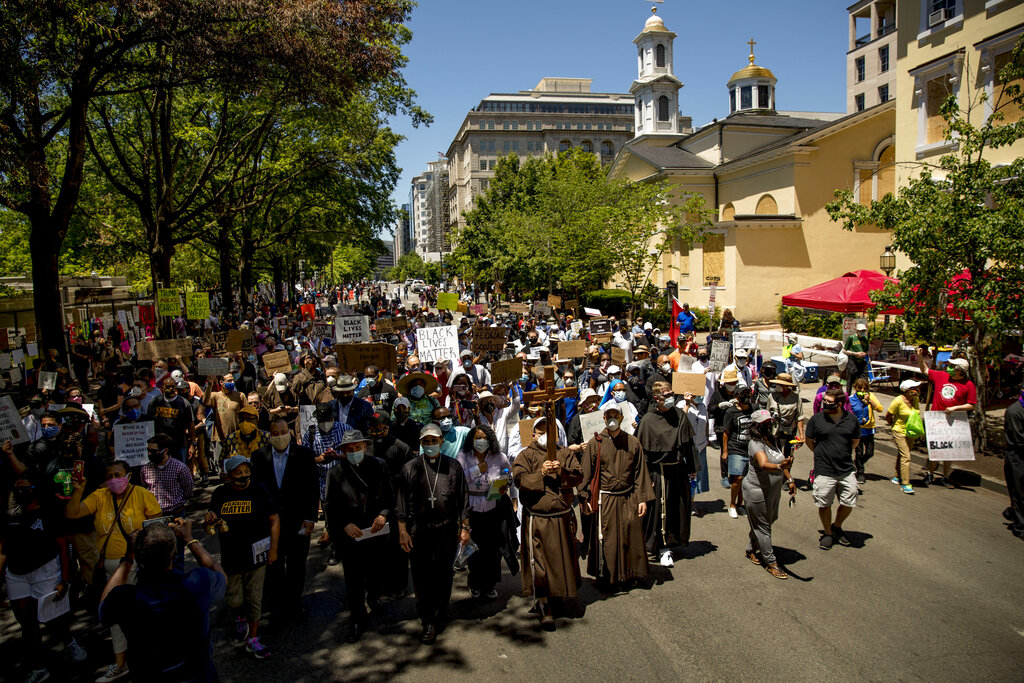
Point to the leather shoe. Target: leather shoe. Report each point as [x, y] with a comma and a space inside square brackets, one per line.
[429, 635]
[355, 632]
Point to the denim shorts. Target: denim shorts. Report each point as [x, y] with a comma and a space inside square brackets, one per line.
[738, 464]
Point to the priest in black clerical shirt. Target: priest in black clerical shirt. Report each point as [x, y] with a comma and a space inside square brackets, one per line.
[432, 510]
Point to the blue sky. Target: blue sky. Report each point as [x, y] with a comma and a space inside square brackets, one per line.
[462, 51]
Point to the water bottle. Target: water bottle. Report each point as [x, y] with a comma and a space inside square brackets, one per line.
[693, 488]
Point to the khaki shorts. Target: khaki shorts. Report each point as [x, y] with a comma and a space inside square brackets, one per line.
[826, 488]
[247, 588]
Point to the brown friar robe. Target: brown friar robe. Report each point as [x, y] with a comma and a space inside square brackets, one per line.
[617, 550]
[550, 564]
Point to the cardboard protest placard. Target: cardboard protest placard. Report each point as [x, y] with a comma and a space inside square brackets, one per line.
[601, 338]
[618, 356]
[463, 307]
[948, 435]
[47, 380]
[198, 305]
[554, 301]
[164, 348]
[719, 355]
[277, 361]
[571, 304]
[744, 340]
[387, 326]
[519, 308]
[168, 302]
[600, 326]
[526, 431]
[216, 367]
[503, 371]
[572, 349]
[435, 344]
[130, 442]
[351, 329]
[217, 342]
[688, 383]
[489, 338]
[354, 358]
[590, 424]
[239, 341]
[11, 427]
[478, 309]
[447, 301]
[541, 309]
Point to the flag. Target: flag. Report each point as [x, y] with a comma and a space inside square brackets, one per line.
[677, 308]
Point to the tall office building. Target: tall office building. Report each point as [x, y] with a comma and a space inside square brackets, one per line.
[403, 242]
[556, 115]
[871, 58]
[419, 212]
[437, 237]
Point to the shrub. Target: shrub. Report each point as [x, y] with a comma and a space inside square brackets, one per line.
[825, 325]
[612, 302]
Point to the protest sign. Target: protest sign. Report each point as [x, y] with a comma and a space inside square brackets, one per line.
[572, 304]
[168, 302]
[47, 380]
[554, 301]
[122, 319]
[948, 435]
[351, 329]
[320, 330]
[447, 301]
[11, 427]
[435, 344]
[572, 349]
[239, 341]
[592, 311]
[198, 305]
[503, 371]
[5, 361]
[391, 325]
[18, 357]
[164, 348]
[353, 358]
[600, 326]
[688, 383]
[215, 367]
[308, 311]
[526, 431]
[618, 356]
[519, 308]
[478, 309]
[489, 338]
[217, 342]
[130, 442]
[744, 340]
[719, 355]
[590, 424]
[463, 307]
[850, 329]
[277, 361]
[541, 309]
[577, 326]
[307, 419]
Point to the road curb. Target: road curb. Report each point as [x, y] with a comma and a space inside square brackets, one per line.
[960, 476]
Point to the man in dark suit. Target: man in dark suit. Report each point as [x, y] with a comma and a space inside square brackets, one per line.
[288, 471]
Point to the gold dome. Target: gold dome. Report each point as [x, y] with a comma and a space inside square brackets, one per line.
[751, 70]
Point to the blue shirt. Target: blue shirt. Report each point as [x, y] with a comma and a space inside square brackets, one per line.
[687, 321]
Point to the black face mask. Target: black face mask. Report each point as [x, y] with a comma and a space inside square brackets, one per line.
[702, 358]
[241, 482]
[155, 456]
[24, 498]
[344, 400]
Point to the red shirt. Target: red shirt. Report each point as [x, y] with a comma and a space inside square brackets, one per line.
[949, 393]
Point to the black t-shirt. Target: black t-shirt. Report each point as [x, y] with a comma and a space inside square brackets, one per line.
[737, 425]
[172, 417]
[247, 513]
[833, 443]
[30, 538]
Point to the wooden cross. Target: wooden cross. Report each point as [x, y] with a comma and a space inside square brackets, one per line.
[547, 397]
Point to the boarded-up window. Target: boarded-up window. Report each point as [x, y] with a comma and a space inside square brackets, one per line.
[766, 206]
[728, 212]
[1003, 103]
[936, 93]
[676, 259]
[864, 194]
[714, 260]
[886, 171]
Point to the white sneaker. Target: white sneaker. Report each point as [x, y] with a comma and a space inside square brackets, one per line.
[76, 651]
[733, 513]
[666, 559]
[113, 673]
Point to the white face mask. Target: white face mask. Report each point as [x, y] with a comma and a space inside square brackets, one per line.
[542, 440]
[481, 445]
[356, 457]
[619, 396]
[612, 424]
[666, 368]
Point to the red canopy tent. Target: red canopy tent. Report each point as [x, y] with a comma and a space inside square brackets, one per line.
[850, 293]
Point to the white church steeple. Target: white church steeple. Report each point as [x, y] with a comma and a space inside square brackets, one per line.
[656, 88]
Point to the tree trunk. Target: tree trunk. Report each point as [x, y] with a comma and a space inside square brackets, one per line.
[277, 275]
[245, 256]
[981, 383]
[46, 288]
[160, 253]
[224, 258]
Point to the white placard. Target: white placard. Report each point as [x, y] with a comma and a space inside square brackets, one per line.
[122, 318]
[18, 356]
[948, 435]
[307, 419]
[47, 380]
[15, 375]
[437, 343]
[685, 363]
[592, 311]
[744, 340]
[11, 427]
[32, 349]
[591, 423]
[130, 442]
[351, 329]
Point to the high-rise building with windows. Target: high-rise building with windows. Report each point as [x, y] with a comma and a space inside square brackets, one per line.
[404, 241]
[871, 58]
[419, 213]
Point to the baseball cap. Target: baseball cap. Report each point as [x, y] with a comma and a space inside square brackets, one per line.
[430, 430]
[740, 353]
[960, 363]
[833, 378]
[759, 416]
[611, 406]
[401, 401]
[861, 327]
[909, 384]
[233, 463]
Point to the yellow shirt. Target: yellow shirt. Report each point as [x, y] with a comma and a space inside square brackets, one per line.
[900, 411]
[140, 505]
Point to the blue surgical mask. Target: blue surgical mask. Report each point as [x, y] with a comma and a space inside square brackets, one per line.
[619, 396]
[133, 414]
[356, 457]
[416, 392]
[431, 450]
[229, 386]
[445, 424]
[50, 432]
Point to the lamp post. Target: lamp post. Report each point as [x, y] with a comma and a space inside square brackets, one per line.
[887, 262]
[671, 292]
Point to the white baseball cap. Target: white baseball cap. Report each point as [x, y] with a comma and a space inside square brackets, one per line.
[740, 353]
[908, 384]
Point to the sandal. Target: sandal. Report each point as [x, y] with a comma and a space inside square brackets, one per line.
[776, 572]
[752, 556]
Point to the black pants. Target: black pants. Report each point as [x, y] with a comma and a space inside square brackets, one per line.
[286, 578]
[432, 557]
[865, 451]
[361, 561]
[1013, 470]
[485, 563]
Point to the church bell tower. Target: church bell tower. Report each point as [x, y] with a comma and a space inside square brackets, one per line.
[656, 89]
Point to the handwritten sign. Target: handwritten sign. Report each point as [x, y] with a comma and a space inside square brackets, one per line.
[688, 383]
[168, 302]
[554, 301]
[489, 338]
[519, 308]
[719, 355]
[437, 343]
[198, 305]
[351, 329]
[130, 442]
[320, 330]
[164, 348]
[307, 419]
[572, 304]
[590, 424]
[478, 309]
[391, 325]
[217, 342]
[447, 301]
[216, 367]
[850, 330]
[47, 380]
[618, 356]
[572, 349]
[355, 357]
[503, 371]
[277, 361]
[11, 427]
[592, 311]
[239, 341]
[744, 340]
[948, 435]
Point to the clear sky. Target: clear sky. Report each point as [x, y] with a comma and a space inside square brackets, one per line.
[462, 51]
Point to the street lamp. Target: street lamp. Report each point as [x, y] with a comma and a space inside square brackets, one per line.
[887, 261]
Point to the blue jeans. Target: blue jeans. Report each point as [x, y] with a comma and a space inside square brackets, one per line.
[703, 485]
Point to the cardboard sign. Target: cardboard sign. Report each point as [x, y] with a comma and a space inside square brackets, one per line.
[590, 424]
[354, 358]
[463, 307]
[572, 349]
[47, 380]
[601, 338]
[11, 427]
[504, 371]
[688, 383]
[239, 341]
[130, 442]
[554, 301]
[277, 361]
[164, 348]
[600, 326]
[217, 342]
[719, 355]
[948, 435]
[447, 301]
[437, 343]
[489, 338]
[168, 302]
[744, 340]
[542, 309]
[571, 304]
[519, 308]
[198, 305]
[351, 329]
[618, 356]
[216, 367]
[526, 431]
[478, 309]
[386, 326]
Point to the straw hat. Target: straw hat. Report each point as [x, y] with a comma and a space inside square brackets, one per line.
[785, 379]
[430, 386]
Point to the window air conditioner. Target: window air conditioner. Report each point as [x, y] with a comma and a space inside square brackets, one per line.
[939, 16]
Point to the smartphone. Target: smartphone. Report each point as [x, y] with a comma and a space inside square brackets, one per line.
[78, 473]
[165, 520]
